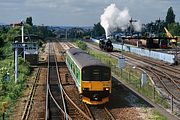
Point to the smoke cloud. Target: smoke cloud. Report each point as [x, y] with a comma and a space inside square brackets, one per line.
[113, 18]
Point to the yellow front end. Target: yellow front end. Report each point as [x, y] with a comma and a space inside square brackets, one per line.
[96, 92]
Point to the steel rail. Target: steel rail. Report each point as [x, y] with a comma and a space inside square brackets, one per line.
[109, 113]
[164, 85]
[47, 87]
[29, 103]
[49, 91]
[87, 117]
[61, 88]
[54, 100]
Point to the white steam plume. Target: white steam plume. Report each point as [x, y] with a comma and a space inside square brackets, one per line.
[113, 18]
[137, 26]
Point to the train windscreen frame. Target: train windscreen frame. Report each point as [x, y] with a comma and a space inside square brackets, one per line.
[96, 73]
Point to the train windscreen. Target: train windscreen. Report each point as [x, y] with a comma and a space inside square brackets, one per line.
[96, 73]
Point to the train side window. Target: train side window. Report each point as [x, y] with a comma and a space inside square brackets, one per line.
[73, 68]
[77, 75]
[76, 71]
[71, 65]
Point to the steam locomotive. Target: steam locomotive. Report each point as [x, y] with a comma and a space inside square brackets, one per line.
[106, 45]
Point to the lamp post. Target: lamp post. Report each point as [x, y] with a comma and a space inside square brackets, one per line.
[22, 37]
[16, 63]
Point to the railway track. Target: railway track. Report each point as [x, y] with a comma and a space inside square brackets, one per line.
[28, 106]
[100, 112]
[166, 81]
[60, 106]
[55, 103]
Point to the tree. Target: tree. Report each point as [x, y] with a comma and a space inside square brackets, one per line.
[29, 21]
[174, 29]
[98, 30]
[156, 27]
[170, 18]
[1, 42]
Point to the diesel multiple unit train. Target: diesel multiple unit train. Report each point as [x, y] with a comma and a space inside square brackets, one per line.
[92, 77]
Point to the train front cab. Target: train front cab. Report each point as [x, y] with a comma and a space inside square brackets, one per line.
[109, 46]
[101, 44]
[96, 85]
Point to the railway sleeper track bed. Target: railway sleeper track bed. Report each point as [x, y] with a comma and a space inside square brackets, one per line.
[34, 108]
[53, 90]
[29, 102]
[100, 112]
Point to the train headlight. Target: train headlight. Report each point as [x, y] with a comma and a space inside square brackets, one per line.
[107, 89]
[86, 89]
[96, 97]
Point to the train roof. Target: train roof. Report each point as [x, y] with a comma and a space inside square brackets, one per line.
[83, 59]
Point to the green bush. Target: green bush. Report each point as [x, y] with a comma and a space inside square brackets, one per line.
[81, 44]
[9, 90]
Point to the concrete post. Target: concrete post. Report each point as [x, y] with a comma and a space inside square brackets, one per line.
[16, 65]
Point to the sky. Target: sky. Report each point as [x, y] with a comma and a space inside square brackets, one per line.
[81, 12]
